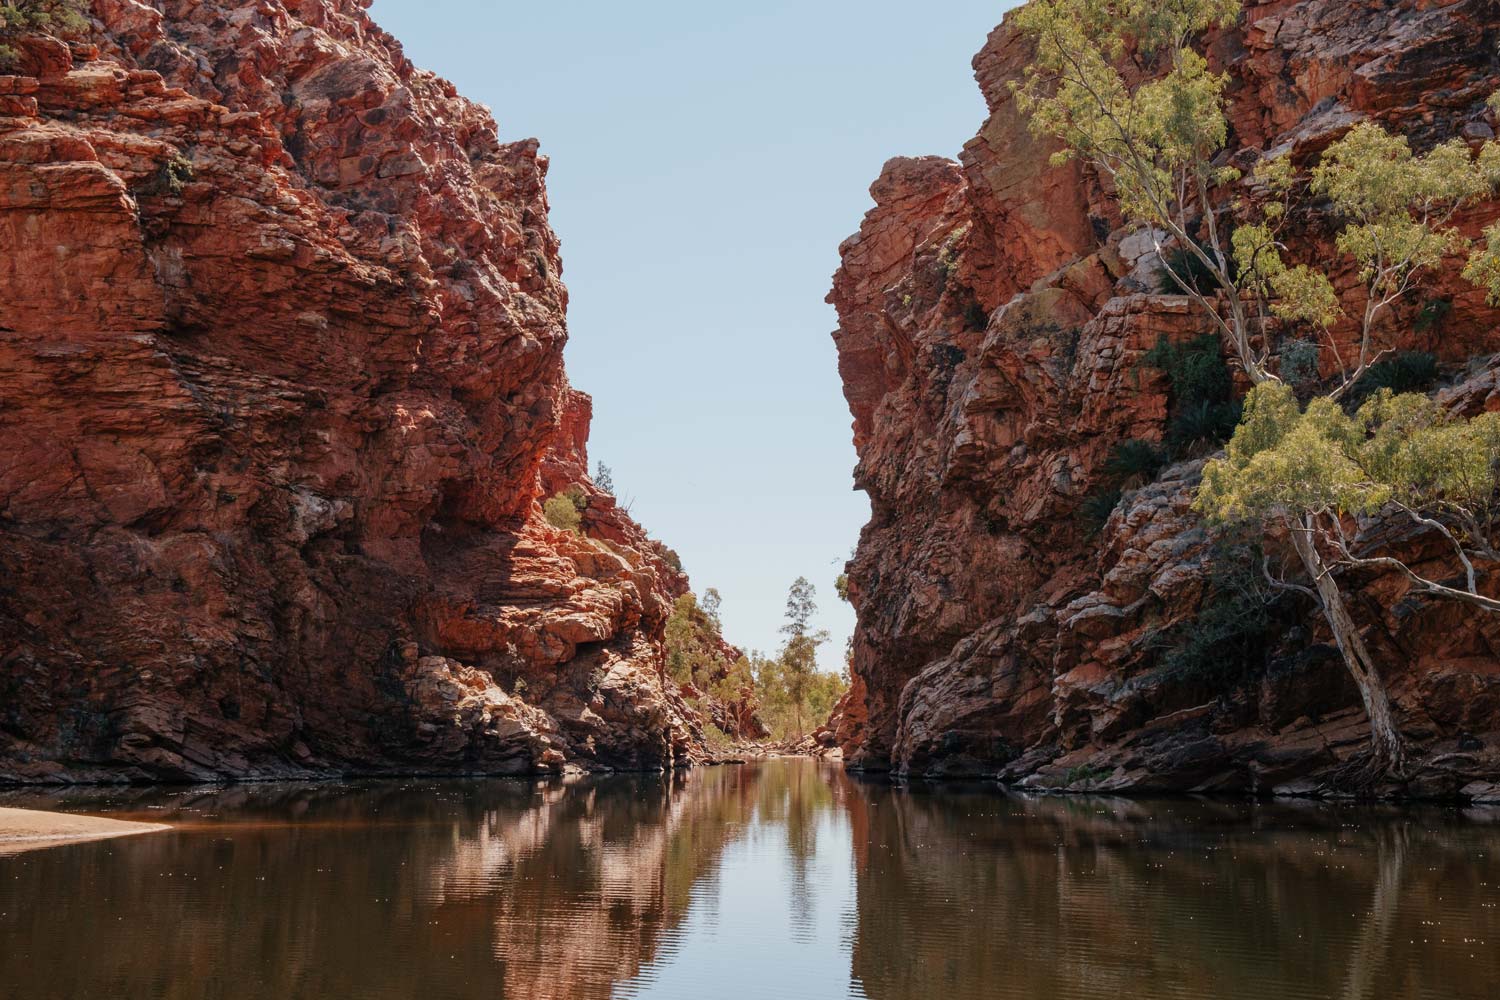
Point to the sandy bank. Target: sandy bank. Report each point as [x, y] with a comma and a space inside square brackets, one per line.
[28, 829]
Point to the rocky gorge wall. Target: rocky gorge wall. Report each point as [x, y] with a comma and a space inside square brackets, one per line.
[993, 316]
[281, 391]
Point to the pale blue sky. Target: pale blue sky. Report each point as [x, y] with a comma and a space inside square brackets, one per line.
[707, 159]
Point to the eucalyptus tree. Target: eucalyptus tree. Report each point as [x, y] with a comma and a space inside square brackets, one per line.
[1120, 85]
[799, 657]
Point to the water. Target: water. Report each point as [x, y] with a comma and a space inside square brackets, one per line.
[779, 880]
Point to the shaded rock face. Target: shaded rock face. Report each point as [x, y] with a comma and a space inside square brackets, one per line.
[993, 314]
[281, 390]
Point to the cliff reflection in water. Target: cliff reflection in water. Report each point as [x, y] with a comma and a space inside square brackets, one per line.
[785, 879]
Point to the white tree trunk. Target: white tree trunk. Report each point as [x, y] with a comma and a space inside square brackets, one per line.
[1385, 738]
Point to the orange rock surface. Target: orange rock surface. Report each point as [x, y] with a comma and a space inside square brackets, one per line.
[993, 313]
[281, 394]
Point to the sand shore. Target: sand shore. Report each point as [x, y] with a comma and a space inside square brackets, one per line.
[28, 829]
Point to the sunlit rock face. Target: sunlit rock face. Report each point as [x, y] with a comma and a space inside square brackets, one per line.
[281, 391]
[993, 313]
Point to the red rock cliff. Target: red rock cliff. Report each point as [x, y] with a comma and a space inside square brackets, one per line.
[281, 390]
[992, 317]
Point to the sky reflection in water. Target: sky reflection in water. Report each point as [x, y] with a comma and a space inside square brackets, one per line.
[779, 880]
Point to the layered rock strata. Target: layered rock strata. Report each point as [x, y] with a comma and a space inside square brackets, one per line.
[281, 394]
[993, 317]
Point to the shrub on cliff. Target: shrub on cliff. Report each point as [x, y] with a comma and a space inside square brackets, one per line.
[1225, 642]
[1407, 371]
[52, 17]
[693, 645]
[669, 556]
[1183, 266]
[1097, 507]
[696, 655]
[562, 512]
[1159, 136]
[1203, 408]
[1134, 462]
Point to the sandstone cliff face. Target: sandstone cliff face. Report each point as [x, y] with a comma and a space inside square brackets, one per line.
[281, 388]
[993, 313]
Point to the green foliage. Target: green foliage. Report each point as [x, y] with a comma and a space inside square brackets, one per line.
[841, 587]
[1084, 774]
[716, 737]
[793, 689]
[1190, 267]
[1396, 208]
[1206, 424]
[1299, 361]
[1098, 506]
[1135, 461]
[561, 512]
[1432, 315]
[51, 17]
[951, 253]
[1299, 294]
[1155, 134]
[175, 173]
[1396, 449]
[1225, 641]
[1156, 143]
[1145, 137]
[789, 706]
[948, 262]
[1203, 409]
[1195, 369]
[712, 602]
[1407, 371]
[736, 680]
[56, 16]
[669, 556]
[1396, 202]
[800, 607]
[604, 478]
[823, 692]
[1483, 268]
[698, 656]
[694, 647]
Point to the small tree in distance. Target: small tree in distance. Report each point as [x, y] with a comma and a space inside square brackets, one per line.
[711, 604]
[799, 657]
[604, 478]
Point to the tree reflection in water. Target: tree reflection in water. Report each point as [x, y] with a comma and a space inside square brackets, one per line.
[785, 879]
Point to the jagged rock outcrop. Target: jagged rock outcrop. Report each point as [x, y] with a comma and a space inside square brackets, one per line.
[281, 391]
[993, 314]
